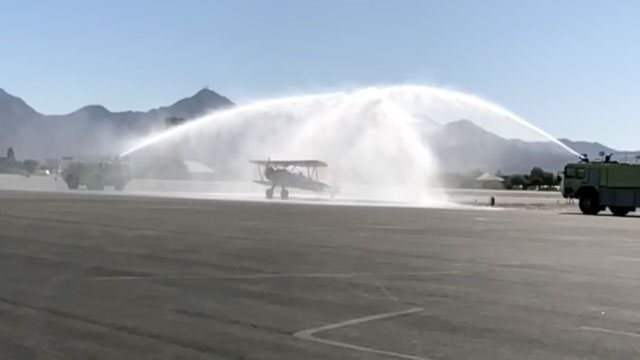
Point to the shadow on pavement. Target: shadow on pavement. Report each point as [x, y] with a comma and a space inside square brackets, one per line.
[577, 213]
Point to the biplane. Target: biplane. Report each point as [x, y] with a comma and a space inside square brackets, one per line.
[282, 173]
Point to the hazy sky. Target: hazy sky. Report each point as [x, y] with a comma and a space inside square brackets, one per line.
[570, 67]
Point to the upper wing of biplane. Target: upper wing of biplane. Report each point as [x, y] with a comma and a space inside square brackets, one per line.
[304, 163]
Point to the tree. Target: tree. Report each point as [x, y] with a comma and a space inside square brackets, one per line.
[539, 177]
[535, 181]
[507, 182]
[548, 179]
[517, 180]
[537, 172]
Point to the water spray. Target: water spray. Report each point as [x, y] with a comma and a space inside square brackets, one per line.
[370, 137]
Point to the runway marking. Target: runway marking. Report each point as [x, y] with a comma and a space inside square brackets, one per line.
[607, 331]
[308, 334]
[385, 227]
[626, 258]
[270, 276]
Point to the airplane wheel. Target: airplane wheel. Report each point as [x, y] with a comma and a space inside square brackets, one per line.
[269, 193]
[284, 194]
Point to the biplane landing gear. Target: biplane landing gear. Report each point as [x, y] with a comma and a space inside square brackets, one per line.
[269, 193]
[284, 194]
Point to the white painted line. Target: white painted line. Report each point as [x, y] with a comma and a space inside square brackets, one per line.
[625, 258]
[607, 331]
[272, 276]
[392, 227]
[308, 334]
[366, 349]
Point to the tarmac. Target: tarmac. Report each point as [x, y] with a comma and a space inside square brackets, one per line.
[100, 276]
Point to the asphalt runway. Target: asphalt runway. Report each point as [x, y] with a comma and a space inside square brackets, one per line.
[88, 276]
[247, 191]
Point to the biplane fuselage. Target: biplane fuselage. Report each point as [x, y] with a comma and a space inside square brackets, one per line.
[282, 173]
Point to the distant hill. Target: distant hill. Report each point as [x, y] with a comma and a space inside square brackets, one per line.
[462, 145]
[13, 106]
[91, 129]
[590, 148]
[199, 104]
[14, 113]
[459, 146]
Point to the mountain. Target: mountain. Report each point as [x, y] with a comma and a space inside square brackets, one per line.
[462, 146]
[458, 146]
[427, 124]
[91, 129]
[14, 113]
[592, 149]
[202, 102]
[197, 105]
[12, 106]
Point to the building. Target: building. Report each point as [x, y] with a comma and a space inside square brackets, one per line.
[490, 181]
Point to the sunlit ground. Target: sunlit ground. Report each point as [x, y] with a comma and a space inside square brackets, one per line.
[233, 191]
